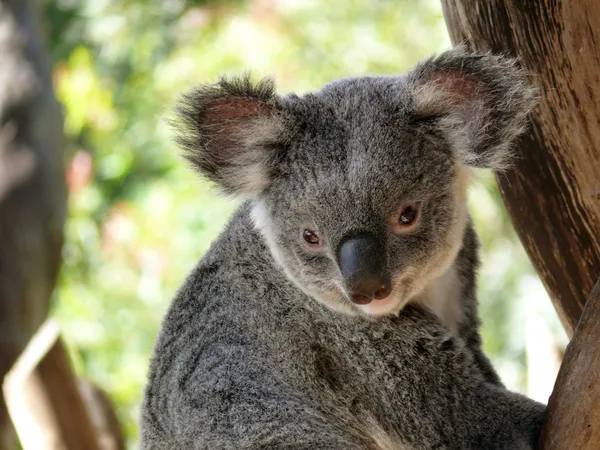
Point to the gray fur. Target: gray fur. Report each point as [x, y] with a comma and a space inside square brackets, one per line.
[261, 348]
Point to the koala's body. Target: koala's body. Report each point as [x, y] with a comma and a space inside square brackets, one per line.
[337, 310]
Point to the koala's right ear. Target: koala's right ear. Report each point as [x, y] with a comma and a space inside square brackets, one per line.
[479, 101]
[230, 132]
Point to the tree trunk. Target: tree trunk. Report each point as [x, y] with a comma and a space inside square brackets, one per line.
[553, 192]
[32, 189]
[573, 417]
[52, 409]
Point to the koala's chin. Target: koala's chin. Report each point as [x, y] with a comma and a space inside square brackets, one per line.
[438, 289]
[339, 302]
[439, 292]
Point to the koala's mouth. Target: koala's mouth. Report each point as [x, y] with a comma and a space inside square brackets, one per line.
[388, 305]
[400, 295]
[363, 300]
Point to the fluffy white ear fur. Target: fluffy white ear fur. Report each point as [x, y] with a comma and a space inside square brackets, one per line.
[230, 131]
[480, 103]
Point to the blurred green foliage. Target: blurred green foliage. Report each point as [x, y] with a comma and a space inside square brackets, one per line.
[139, 219]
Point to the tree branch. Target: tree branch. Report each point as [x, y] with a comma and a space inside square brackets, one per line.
[43, 397]
[32, 186]
[573, 414]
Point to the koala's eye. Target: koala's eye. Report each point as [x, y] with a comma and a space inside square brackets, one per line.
[311, 238]
[406, 218]
[408, 215]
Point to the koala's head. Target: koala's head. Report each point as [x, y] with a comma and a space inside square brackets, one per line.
[359, 189]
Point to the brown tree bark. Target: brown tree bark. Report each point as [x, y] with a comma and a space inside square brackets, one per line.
[553, 192]
[50, 407]
[102, 415]
[573, 417]
[44, 398]
[32, 188]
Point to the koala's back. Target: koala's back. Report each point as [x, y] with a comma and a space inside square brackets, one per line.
[245, 360]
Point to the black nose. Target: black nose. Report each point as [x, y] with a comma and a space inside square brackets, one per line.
[362, 261]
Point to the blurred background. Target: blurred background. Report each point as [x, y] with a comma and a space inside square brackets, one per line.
[138, 219]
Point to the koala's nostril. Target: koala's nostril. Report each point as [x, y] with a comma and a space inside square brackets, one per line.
[382, 292]
[365, 292]
[364, 297]
[360, 299]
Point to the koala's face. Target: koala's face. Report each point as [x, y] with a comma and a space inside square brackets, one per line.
[368, 205]
[360, 189]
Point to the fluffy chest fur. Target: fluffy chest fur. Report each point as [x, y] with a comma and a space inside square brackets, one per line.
[444, 297]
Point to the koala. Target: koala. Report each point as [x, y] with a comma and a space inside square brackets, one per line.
[337, 310]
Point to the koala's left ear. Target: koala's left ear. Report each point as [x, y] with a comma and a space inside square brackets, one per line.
[479, 102]
[231, 131]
